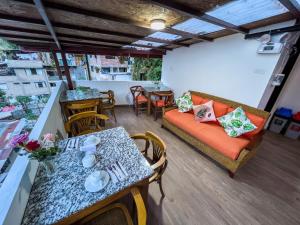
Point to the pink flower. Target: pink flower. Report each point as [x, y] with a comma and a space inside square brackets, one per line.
[19, 139]
[32, 146]
[49, 137]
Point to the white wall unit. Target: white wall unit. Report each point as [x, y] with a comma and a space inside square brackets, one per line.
[15, 190]
[228, 67]
[290, 94]
[120, 88]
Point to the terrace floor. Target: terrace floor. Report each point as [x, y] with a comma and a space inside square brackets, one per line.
[265, 191]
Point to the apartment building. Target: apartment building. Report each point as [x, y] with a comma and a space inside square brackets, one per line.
[104, 67]
[23, 78]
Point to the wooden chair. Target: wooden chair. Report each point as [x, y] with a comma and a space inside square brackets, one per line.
[117, 213]
[161, 100]
[83, 106]
[139, 98]
[84, 123]
[108, 102]
[158, 160]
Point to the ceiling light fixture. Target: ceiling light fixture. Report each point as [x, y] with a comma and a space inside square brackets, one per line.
[158, 24]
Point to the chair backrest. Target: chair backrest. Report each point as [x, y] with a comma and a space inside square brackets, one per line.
[136, 91]
[159, 156]
[83, 106]
[84, 123]
[110, 99]
[166, 96]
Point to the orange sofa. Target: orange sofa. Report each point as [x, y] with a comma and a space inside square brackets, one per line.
[210, 137]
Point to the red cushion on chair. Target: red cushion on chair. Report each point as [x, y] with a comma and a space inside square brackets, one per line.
[159, 103]
[141, 99]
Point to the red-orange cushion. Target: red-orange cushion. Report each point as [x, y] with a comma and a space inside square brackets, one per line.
[159, 103]
[141, 99]
[197, 100]
[211, 134]
[258, 121]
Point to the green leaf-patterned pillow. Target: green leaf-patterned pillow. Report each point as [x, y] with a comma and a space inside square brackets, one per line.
[184, 102]
[236, 123]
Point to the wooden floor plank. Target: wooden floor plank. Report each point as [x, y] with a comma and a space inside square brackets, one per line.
[198, 191]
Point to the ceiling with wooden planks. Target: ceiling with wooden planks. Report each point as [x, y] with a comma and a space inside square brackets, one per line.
[97, 26]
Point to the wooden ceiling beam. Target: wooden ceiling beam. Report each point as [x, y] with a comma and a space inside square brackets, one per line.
[74, 27]
[193, 13]
[292, 6]
[40, 7]
[103, 16]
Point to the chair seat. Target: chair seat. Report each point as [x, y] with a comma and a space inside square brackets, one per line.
[159, 103]
[116, 214]
[141, 99]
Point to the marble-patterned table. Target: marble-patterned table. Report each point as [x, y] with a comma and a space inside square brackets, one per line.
[79, 95]
[61, 196]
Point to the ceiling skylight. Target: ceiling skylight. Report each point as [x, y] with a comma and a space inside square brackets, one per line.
[148, 43]
[246, 11]
[196, 26]
[165, 36]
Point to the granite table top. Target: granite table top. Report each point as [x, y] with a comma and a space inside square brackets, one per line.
[78, 95]
[159, 88]
[55, 198]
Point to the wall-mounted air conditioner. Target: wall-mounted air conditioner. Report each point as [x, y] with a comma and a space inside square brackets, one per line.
[270, 48]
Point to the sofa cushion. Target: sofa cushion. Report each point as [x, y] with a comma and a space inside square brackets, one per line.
[210, 134]
[204, 112]
[220, 108]
[197, 100]
[236, 123]
[184, 102]
[258, 121]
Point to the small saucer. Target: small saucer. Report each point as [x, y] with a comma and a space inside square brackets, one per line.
[94, 187]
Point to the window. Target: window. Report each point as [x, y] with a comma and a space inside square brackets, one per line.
[3, 86]
[122, 70]
[16, 83]
[92, 68]
[115, 69]
[110, 57]
[39, 84]
[26, 82]
[33, 71]
[105, 69]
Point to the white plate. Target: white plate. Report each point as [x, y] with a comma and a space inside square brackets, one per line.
[95, 142]
[94, 187]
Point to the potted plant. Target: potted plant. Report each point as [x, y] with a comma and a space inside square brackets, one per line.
[43, 151]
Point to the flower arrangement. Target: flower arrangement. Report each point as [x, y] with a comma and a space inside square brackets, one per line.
[38, 150]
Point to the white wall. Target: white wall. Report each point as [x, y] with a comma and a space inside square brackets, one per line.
[120, 88]
[228, 67]
[290, 94]
[15, 190]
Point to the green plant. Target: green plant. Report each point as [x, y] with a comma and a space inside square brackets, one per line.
[146, 69]
[23, 100]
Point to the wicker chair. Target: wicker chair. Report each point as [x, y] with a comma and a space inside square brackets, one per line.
[158, 160]
[161, 100]
[84, 123]
[117, 213]
[139, 98]
[108, 103]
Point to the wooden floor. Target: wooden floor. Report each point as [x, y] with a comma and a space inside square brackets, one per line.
[265, 191]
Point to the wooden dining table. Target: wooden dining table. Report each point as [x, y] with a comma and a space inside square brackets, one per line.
[77, 96]
[149, 90]
[63, 199]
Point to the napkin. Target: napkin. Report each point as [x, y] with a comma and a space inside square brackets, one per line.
[88, 148]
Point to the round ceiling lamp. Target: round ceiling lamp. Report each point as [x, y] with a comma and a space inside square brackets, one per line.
[158, 24]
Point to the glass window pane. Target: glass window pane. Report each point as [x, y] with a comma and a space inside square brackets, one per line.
[196, 26]
[246, 11]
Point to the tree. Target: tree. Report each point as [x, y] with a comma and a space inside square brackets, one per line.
[146, 69]
[3, 100]
[24, 100]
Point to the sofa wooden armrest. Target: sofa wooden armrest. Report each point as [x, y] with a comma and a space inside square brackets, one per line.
[166, 109]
